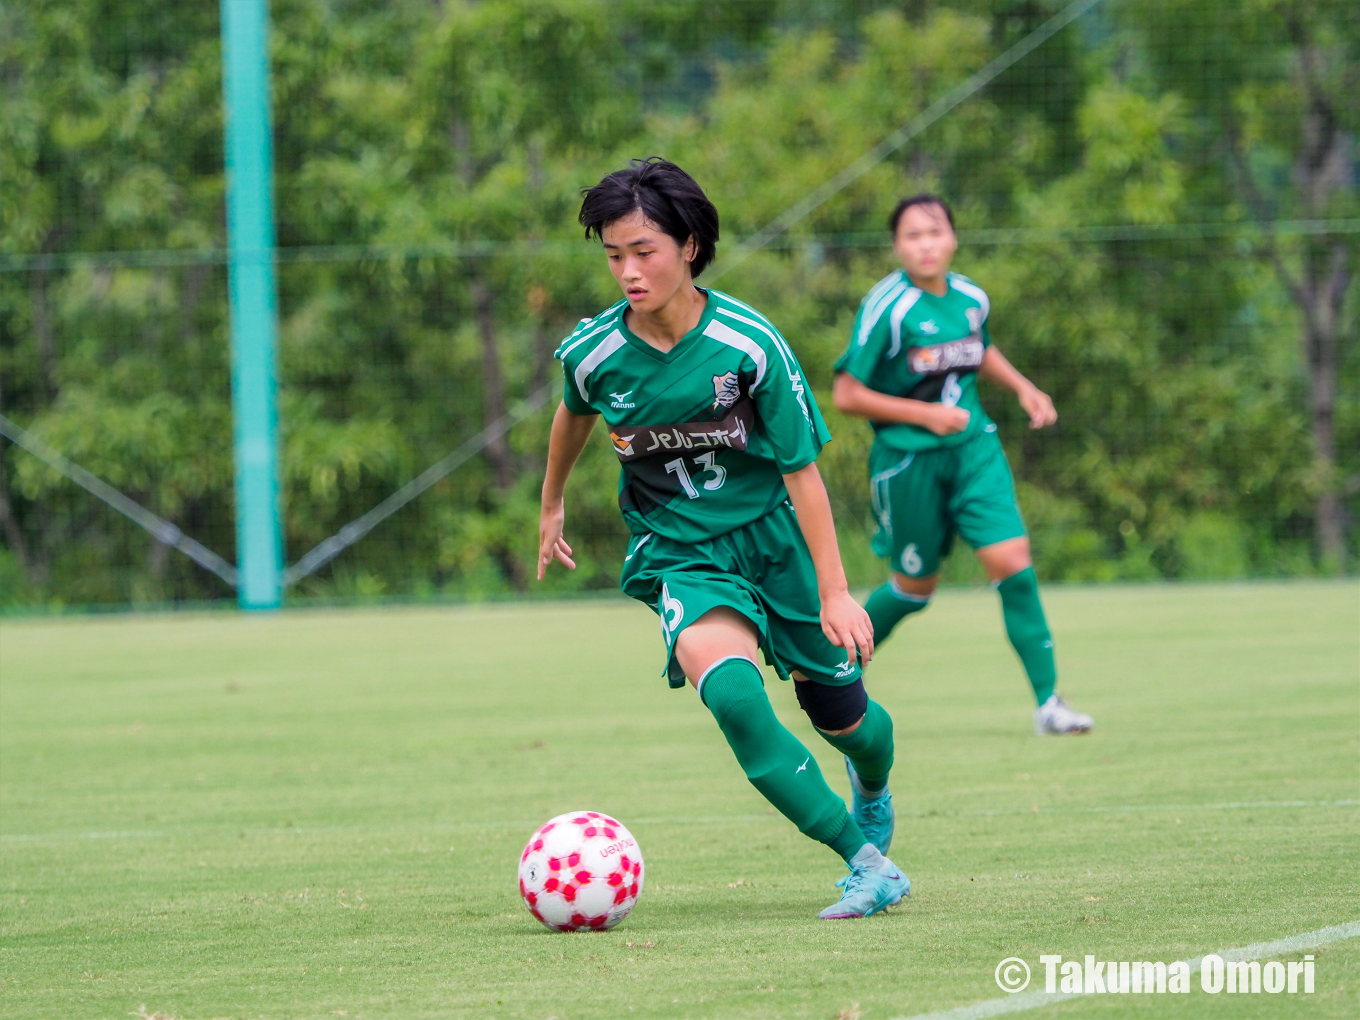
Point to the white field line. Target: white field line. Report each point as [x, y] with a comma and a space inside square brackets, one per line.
[1257, 951]
[527, 826]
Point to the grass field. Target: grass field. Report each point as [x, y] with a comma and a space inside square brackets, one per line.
[318, 814]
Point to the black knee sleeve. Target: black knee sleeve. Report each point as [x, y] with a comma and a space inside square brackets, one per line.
[832, 708]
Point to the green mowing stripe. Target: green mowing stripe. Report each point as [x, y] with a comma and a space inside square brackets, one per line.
[1023, 1001]
[527, 825]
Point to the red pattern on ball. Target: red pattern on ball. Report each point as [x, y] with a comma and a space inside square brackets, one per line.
[567, 878]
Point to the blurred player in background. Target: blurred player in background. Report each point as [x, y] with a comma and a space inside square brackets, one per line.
[733, 543]
[919, 344]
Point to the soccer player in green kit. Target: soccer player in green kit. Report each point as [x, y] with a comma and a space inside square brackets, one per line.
[919, 344]
[733, 545]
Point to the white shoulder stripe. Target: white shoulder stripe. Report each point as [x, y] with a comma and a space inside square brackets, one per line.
[899, 313]
[764, 325]
[590, 330]
[873, 312]
[592, 361]
[889, 281]
[725, 334]
[973, 291]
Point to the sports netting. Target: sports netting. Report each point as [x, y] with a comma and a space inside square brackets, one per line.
[1160, 196]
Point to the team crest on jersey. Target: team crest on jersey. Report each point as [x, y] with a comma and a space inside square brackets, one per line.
[726, 389]
[623, 445]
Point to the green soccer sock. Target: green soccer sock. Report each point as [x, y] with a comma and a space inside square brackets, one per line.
[869, 747]
[888, 606]
[774, 760]
[1028, 630]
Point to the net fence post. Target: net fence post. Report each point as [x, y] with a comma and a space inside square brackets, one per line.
[253, 300]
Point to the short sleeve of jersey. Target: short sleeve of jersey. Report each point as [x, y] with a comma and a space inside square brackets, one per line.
[986, 335]
[792, 421]
[571, 396]
[866, 347]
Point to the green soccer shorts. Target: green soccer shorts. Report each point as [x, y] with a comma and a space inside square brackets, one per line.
[923, 499]
[764, 571]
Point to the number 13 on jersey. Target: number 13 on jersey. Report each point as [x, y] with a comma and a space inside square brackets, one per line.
[705, 462]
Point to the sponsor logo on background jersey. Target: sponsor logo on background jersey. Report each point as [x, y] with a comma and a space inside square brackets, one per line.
[623, 445]
[938, 358]
[929, 328]
[619, 398]
[845, 668]
[726, 389]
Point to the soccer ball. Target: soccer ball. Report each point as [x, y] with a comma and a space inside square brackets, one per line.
[581, 871]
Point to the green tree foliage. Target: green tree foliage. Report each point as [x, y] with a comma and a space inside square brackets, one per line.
[1206, 376]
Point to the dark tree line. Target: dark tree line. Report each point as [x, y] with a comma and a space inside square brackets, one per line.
[1205, 366]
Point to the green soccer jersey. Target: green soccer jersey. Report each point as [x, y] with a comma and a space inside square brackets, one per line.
[907, 342]
[704, 431]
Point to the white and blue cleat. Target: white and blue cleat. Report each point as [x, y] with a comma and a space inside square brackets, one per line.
[874, 883]
[872, 811]
[1058, 717]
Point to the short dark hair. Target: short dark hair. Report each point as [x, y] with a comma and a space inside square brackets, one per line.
[924, 198]
[665, 194]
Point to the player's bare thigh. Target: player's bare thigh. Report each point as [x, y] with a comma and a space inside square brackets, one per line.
[720, 633]
[1005, 559]
[922, 586]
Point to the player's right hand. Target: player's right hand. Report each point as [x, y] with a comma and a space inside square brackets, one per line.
[945, 420]
[551, 544]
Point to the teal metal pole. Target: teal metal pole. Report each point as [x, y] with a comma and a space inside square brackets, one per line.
[253, 297]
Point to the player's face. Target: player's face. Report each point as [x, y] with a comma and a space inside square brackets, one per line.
[650, 267]
[925, 242]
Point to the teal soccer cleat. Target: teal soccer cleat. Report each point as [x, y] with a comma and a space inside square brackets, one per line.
[873, 811]
[874, 883]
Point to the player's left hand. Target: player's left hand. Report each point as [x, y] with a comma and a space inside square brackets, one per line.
[847, 626]
[1038, 406]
